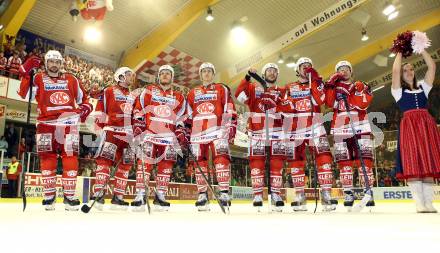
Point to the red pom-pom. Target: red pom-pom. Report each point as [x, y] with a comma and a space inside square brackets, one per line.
[402, 44]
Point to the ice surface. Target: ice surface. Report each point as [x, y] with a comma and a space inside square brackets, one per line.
[390, 227]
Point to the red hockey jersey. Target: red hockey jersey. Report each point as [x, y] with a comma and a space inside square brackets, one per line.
[251, 95]
[210, 108]
[58, 98]
[116, 105]
[297, 104]
[358, 103]
[161, 110]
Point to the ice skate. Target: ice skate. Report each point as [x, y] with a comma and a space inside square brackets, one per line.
[118, 204]
[138, 204]
[258, 202]
[160, 203]
[202, 202]
[71, 204]
[225, 199]
[368, 197]
[328, 204]
[348, 200]
[300, 203]
[49, 204]
[277, 202]
[99, 202]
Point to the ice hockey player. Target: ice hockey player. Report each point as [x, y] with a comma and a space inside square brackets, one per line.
[301, 98]
[259, 100]
[114, 116]
[359, 97]
[62, 104]
[213, 122]
[162, 109]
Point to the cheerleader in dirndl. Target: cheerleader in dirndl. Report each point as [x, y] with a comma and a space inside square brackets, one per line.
[418, 153]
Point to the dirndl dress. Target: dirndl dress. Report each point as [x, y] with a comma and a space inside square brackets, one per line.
[418, 149]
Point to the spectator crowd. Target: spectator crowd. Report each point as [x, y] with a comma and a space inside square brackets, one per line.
[94, 76]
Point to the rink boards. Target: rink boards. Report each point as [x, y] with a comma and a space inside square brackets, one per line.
[184, 191]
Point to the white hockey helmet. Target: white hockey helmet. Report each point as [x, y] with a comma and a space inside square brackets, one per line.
[343, 63]
[303, 60]
[268, 66]
[53, 55]
[206, 65]
[121, 72]
[165, 67]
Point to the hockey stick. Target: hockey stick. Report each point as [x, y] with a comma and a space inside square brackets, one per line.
[267, 162]
[258, 79]
[312, 150]
[85, 208]
[28, 121]
[229, 123]
[368, 194]
[267, 146]
[147, 189]
[206, 180]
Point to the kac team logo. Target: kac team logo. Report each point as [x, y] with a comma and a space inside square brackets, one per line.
[303, 105]
[59, 98]
[126, 108]
[205, 108]
[162, 111]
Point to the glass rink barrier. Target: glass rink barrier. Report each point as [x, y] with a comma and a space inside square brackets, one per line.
[188, 191]
[384, 143]
[3, 170]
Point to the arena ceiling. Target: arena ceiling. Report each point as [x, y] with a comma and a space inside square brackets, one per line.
[122, 28]
[268, 20]
[264, 20]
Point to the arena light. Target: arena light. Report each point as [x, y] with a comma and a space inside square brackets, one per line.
[1, 27]
[92, 35]
[280, 59]
[238, 33]
[390, 8]
[291, 65]
[290, 62]
[364, 35]
[393, 15]
[380, 60]
[209, 16]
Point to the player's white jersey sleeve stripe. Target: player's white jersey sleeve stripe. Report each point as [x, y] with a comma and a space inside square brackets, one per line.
[225, 106]
[105, 101]
[295, 115]
[55, 108]
[142, 98]
[80, 96]
[242, 97]
[162, 120]
[313, 100]
[182, 109]
[190, 111]
[202, 117]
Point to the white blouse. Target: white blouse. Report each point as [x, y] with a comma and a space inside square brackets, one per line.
[397, 93]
